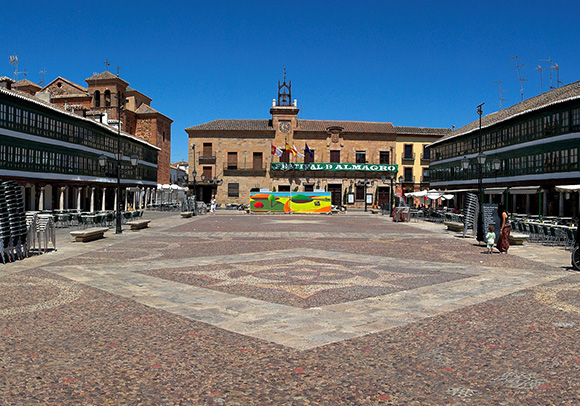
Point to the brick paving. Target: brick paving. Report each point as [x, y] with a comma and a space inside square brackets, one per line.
[239, 309]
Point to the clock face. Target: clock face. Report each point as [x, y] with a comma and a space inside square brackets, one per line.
[285, 126]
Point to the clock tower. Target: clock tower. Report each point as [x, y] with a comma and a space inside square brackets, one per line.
[284, 113]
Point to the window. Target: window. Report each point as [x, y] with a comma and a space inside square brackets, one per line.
[285, 156]
[335, 156]
[107, 98]
[207, 172]
[576, 119]
[207, 150]
[232, 160]
[97, 98]
[257, 160]
[408, 151]
[426, 152]
[425, 175]
[284, 188]
[361, 157]
[233, 190]
[384, 157]
[408, 174]
[309, 188]
[308, 158]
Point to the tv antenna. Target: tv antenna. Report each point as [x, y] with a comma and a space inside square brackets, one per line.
[118, 70]
[42, 72]
[557, 68]
[500, 92]
[107, 64]
[541, 78]
[14, 62]
[518, 66]
[549, 60]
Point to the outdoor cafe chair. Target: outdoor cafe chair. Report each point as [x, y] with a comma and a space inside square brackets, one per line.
[570, 238]
[547, 237]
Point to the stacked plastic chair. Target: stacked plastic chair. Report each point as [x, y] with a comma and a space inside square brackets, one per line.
[4, 226]
[31, 226]
[18, 244]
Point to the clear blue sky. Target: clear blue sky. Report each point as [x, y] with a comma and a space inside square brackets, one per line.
[412, 63]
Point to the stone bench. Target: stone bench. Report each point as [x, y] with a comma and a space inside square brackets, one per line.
[186, 214]
[89, 234]
[518, 239]
[138, 224]
[454, 226]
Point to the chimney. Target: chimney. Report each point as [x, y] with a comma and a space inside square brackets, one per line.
[6, 82]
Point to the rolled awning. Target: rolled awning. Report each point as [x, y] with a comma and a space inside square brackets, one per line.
[494, 190]
[524, 190]
[567, 188]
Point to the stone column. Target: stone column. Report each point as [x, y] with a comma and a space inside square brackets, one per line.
[561, 204]
[514, 202]
[528, 203]
[126, 198]
[544, 203]
[103, 203]
[33, 198]
[79, 189]
[135, 200]
[41, 199]
[92, 199]
[61, 198]
[116, 203]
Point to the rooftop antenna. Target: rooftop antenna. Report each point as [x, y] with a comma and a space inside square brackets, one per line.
[500, 92]
[541, 78]
[549, 60]
[118, 70]
[14, 62]
[558, 82]
[107, 64]
[518, 66]
[42, 72]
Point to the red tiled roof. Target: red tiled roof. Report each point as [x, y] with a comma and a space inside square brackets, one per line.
[422, 131]
[559, 95]
[347, 126]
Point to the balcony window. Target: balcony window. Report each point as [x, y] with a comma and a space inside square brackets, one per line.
[408, 151]
[408, 174]
[232, 160]
[285, 156]
[361, 157]
[426, 152]
[207, 172]
[307, 158]
[207, 150]
[257, 160]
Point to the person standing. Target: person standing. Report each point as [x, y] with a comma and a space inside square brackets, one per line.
[503, 243]
[490, 238]
[213, 205]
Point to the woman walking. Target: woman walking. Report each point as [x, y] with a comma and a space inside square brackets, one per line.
[503, 243]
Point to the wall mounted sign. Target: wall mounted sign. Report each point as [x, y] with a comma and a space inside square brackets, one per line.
[332, 167]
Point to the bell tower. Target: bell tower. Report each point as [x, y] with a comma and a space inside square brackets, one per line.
[284, 112]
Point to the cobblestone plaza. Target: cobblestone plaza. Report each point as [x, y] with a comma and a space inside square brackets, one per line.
[237, 309]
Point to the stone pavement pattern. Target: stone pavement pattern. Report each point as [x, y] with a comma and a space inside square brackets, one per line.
[289, 310]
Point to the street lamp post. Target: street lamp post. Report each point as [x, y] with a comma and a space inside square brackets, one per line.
[480, 162]
[118, 169]
[194, 175]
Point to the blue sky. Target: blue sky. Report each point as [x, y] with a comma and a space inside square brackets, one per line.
[412, 63]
